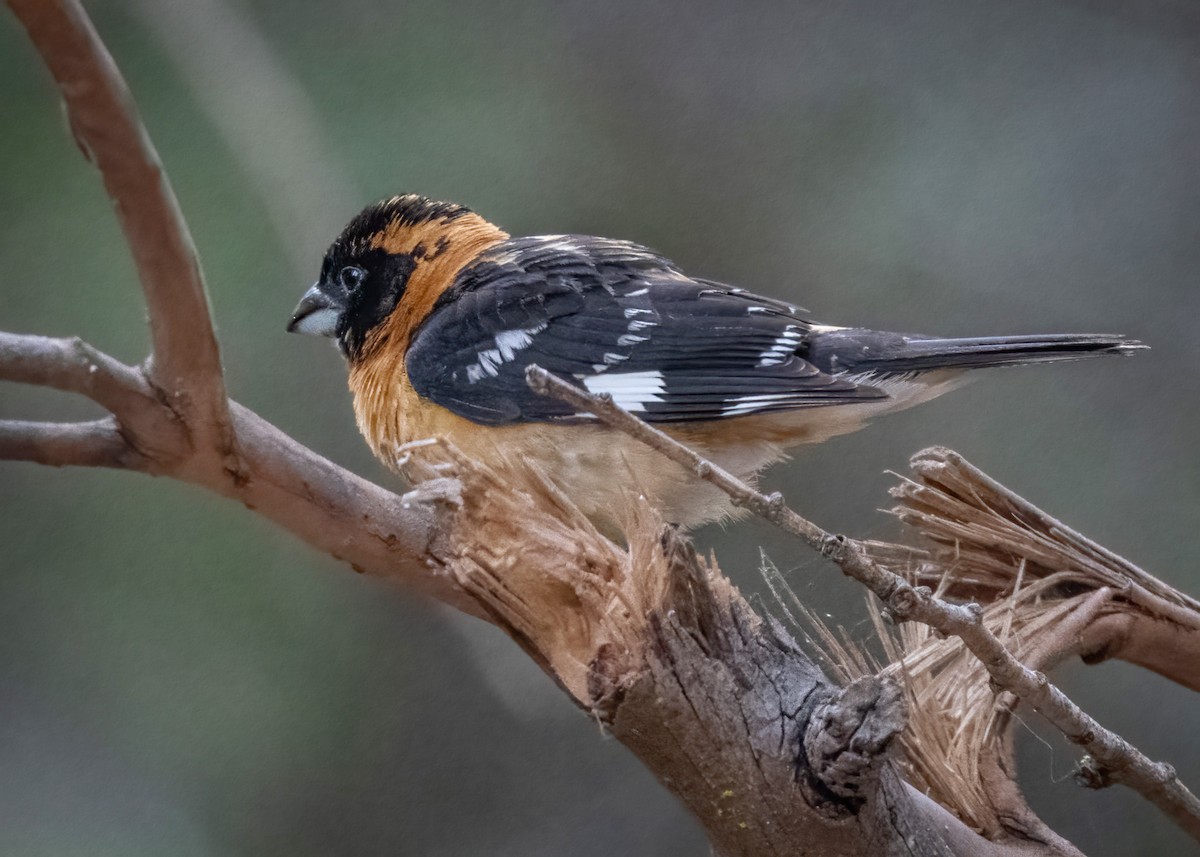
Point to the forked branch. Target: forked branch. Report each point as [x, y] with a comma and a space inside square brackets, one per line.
[171, 415]
[185, 359]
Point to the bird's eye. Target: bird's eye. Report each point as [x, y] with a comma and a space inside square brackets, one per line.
[352, 277]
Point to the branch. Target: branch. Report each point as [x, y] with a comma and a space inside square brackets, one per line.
[1117, 759]
[961, 497]
[185, 359]
[73, 366]
[982, 541]
[718, 702]
[155, 437]
[377, 532]
[91, 444]
[330, 508]
[173, 414]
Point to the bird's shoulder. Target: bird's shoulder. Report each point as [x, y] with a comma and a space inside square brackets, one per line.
[612, 273]
[579, 263]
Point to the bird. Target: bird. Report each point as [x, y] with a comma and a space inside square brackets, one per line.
[439, 313]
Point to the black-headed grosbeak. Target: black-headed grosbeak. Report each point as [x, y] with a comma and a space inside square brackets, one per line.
[439, 312]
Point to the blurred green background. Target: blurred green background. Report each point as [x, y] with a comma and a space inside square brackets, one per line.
[177, 677]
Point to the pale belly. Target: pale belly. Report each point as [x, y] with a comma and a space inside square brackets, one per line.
[603, 471]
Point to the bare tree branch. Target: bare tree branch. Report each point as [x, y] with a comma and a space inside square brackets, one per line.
[961, 497]
[990, 537]
[1167, 648]
[92, 444]
[335, 511]
[104, 120]
[720, 703]
[73, 366]
[1115, 758]
[338, 512]
[175, 416]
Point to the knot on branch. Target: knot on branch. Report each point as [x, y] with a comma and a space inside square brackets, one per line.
[607, 679]
[903, 601]
[833, 547]
[846, 742]
[1092, 775]
[773, 506]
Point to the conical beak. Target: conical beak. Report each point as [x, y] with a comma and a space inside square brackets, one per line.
[315, 315]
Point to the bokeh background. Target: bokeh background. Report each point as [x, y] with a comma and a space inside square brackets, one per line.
[177, 677]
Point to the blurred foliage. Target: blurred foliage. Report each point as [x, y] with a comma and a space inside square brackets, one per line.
[178, 677]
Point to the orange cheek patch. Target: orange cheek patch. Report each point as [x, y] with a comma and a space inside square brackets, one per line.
[444, 250]
[389, 411]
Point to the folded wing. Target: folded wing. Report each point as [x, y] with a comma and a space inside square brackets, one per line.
[615, 318]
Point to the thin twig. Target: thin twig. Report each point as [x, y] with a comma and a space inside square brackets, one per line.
[1111, 758]
[185, 359]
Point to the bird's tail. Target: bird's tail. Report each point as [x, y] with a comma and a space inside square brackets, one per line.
[856, 351]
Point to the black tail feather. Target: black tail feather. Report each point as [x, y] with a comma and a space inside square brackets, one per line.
[856, 350]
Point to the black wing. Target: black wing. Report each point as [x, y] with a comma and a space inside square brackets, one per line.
[614, 318]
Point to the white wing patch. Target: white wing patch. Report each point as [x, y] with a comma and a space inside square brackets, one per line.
[611, 358]
[785, 346]
[749, 404]
[629, 390]
[508, 343]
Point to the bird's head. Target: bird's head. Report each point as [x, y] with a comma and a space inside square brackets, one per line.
[391, 248]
